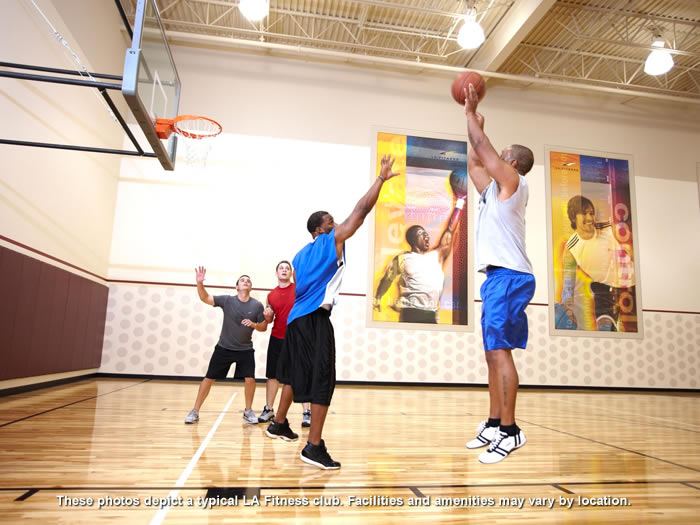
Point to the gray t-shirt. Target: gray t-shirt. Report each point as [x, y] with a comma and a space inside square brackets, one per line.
[235, 336]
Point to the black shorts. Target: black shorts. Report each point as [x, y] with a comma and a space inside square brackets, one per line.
[222, 359]
[308, 360]
[415, 315]
[274, 348]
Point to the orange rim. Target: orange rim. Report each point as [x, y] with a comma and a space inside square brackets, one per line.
[165, 127]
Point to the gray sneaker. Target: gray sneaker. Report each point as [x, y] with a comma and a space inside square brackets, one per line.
[250, 417]
[266, 415]
[192, 417]
[306, 419]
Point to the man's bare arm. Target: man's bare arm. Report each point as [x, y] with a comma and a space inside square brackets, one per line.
[503, 173]
[200, 273]
[349, 226]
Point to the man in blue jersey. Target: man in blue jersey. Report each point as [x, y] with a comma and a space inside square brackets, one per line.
[509, 286]
[307, 366]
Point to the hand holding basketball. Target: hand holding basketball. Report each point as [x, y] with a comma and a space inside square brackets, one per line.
[386, 172]
[471, 99]
[461, 83]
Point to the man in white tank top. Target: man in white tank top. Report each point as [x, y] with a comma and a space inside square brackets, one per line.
[509, 286]
[421, 270]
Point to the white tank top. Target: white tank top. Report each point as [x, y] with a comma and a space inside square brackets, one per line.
[500, 229]
[421, 280]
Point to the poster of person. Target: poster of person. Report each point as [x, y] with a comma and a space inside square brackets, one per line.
[594, 265]
[420, 254]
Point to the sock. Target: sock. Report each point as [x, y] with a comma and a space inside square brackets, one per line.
[510, 430]
[493, 422]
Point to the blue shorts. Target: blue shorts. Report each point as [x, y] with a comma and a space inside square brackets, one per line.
[505, 294]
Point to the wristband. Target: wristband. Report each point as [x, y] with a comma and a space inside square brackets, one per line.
[460, 203]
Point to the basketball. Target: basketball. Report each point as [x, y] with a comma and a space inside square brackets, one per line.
[459, 180]
[463, 80]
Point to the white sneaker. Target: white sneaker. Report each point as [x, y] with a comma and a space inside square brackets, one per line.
[484, 435]
[501, 446]
[192, 417]
[250, 417]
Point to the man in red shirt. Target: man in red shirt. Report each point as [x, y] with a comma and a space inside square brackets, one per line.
[279, 303]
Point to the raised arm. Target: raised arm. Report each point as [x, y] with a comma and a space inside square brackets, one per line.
[349, 226]
[477, 172]
[390, 274]
[444, 246]
[200, 274]
[498, 169]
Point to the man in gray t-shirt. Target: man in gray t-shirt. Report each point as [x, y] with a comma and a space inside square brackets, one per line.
[242, 315]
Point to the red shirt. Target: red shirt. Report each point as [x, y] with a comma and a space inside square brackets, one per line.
[281, 301]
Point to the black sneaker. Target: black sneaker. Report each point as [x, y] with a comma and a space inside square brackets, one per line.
[318, 456]
[281, 430]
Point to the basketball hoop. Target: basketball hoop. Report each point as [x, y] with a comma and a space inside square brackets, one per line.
[195, 134]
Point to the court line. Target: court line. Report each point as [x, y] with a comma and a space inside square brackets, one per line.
[563, 489]
[27, 494]
[417, 492]
[369, 487]
[610, 445]
[160, 515]
[582, 404]
[73, 403]
[689, 485]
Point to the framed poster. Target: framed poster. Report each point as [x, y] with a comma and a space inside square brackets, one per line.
[421, 269]
[593, 255]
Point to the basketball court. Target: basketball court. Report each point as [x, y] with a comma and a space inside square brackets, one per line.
[143, 138]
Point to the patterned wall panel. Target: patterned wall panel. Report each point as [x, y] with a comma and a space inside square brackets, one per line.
[163, 330]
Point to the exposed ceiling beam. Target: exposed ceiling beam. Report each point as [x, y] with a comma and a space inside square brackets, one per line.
[298, 51]
[628, 13]
[515, 26]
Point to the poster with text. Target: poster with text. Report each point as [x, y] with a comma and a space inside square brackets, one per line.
[421, 269]
[594, 264]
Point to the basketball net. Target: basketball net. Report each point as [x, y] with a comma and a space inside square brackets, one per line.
[195, 136]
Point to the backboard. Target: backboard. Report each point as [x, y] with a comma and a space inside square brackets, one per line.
[151, 85]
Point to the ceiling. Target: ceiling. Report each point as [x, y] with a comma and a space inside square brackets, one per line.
[599, 43]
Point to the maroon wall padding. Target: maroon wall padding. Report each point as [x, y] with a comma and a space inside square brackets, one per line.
[51, 320]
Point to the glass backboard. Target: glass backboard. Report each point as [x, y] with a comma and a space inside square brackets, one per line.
[151, 85]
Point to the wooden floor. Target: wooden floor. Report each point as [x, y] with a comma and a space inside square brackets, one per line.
[613, 457]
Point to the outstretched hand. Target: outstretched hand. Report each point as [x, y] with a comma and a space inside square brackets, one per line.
[386, 171]
[200, 273]
[471, 100]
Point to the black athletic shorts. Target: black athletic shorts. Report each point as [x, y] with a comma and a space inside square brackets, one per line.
[307, 362]
[274, 348]
[222, 359]
[415, 315]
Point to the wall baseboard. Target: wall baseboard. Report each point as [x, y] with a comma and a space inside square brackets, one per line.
[424, 385]
[106, 375]
[45, 384]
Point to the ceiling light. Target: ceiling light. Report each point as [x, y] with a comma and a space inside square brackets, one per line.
[659, 60]
[470, 35]
[254, 10]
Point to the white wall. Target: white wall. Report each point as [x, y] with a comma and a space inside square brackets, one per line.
[166, 223]
[59, 202]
